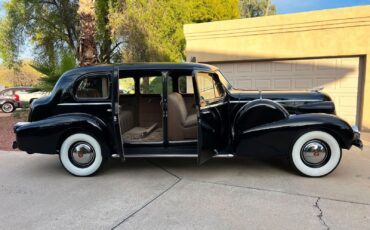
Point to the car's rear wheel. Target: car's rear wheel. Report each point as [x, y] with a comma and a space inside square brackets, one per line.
[7, 107]
[316, 154]
[81, 154]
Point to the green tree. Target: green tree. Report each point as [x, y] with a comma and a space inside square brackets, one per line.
[51, 27]
[51, 72]
[256, 8]
[152, 30]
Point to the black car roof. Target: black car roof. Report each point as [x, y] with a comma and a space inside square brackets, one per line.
[145, 66]
[169, 66]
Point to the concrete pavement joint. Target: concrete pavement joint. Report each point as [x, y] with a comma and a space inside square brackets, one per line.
[255, 188]
[164, 169]
[321, 214]
[288, 193]
[146, 204]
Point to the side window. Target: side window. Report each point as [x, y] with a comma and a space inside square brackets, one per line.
[208, 87]
[127, 86]
[96, 87]
[8, 93]
[185, 85]
[151, 85]
[154, 85]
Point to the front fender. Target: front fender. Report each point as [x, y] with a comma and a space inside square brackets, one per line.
[46, 136]
[279, 137]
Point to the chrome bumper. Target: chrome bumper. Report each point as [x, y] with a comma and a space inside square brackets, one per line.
[356, 137]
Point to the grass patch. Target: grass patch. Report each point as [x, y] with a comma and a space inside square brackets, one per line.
[21, 114]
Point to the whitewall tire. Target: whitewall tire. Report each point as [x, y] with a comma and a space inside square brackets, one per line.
[7, 107]
[81, 155]
[316, 154]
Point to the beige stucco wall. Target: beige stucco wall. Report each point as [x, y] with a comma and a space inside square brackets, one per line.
[325, 33]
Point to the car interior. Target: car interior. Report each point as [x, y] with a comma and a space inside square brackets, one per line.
[141, 107]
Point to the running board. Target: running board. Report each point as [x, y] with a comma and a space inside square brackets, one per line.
[171, 156]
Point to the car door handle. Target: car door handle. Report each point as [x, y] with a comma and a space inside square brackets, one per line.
[205, 111]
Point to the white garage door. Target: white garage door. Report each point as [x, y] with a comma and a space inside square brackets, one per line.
[338, 76]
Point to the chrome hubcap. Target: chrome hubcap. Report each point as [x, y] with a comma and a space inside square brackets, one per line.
[82, 154]
[314, 153]
[7, 107]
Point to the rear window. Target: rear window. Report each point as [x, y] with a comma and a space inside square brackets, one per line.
[7, 93]
[93, 87]
[154, 85]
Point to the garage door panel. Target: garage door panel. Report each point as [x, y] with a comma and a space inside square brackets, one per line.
[283, 84]
[283, 66]
[303, 84]
[338, 76]
[244, 67]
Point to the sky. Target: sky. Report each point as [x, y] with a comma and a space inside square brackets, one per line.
[295, 6]
[283, 7]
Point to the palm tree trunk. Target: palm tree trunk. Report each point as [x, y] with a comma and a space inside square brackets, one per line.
[87, 49]
[268, 3]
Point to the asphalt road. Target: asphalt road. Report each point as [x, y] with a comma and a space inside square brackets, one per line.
[36, 192]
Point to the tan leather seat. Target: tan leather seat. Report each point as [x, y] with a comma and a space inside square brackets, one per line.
[181, 125]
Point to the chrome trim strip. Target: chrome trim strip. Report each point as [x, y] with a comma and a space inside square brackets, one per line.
[174, 156]
[213, 105]
[308, 100]
[224, 156]
[161, 155]
[86, 103]
[279, 101]
[237, 102]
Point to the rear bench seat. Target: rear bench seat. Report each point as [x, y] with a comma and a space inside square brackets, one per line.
[126, 118]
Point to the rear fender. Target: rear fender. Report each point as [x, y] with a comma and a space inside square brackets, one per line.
[47, 135]
[278, 138]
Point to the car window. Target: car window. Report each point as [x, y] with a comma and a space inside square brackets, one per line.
[127, 86]
[93, 87]
[208, 87]
[185, 84]
[8, 93]
[154, 84]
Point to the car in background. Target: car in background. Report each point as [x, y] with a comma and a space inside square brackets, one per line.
[17, 97]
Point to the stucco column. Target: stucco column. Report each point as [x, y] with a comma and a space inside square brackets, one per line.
[366, 98]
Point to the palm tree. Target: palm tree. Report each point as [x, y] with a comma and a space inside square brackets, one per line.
[87, 53]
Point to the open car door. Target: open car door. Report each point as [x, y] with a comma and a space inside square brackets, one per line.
[212, 109]
[115, 111]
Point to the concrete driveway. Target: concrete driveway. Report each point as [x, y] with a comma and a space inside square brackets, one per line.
[36, 192]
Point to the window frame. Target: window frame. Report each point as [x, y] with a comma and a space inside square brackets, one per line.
[217, 83]
[76, 83]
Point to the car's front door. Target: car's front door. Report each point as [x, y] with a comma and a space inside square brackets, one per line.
[212, 109]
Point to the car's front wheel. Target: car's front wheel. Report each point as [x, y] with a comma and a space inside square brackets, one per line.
[81, 154]
[7, 107]
[316, 154]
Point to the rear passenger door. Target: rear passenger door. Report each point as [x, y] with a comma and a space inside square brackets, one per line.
[212, 115]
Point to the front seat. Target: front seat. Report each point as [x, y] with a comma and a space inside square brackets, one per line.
[181, 125]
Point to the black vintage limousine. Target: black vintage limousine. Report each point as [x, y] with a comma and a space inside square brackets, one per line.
[180, 110]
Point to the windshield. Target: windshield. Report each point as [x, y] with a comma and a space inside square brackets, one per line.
[224, 81]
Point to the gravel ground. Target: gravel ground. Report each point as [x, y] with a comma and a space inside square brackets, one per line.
[6, 130]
